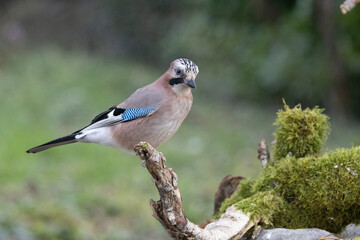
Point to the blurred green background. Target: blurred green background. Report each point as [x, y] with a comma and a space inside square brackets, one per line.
[63, 62]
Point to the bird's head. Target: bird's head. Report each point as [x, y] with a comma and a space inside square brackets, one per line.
[182, 74]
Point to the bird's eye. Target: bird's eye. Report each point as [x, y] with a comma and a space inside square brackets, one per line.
[178, 72]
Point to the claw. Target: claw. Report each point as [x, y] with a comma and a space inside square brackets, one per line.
[162, 156]
[143, 163]
[174, 174]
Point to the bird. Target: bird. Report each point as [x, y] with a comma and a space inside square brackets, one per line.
[151, 114]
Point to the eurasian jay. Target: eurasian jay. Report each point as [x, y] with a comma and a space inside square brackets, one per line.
[151, 114]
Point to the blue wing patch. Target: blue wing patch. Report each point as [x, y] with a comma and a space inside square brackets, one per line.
[134, 113]
[115, 115]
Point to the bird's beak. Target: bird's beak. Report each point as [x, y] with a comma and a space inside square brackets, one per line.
[191, 83]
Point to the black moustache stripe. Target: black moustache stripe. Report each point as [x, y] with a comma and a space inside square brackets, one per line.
[176, 81]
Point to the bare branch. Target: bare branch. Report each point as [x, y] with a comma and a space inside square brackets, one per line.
[348, 5]
[263, 153]
[256, 232]
[169, 211]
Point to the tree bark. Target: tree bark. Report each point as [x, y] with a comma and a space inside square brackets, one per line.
[226, 188]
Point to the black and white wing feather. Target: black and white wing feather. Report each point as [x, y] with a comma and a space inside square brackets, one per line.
[116, 115]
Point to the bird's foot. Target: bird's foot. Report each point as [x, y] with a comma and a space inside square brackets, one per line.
[153, 179]
[173, 174]
[162, 156]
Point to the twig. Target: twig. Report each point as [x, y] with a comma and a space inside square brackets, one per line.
[263, 153]
[256, 232]
[169, 211]
[244, 230]
[329, 236]
[348, 5]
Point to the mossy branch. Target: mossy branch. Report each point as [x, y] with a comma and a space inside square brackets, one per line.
[302, 188]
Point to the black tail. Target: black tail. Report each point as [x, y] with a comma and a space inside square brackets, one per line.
[57, 142]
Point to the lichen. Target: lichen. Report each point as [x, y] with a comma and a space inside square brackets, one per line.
[307, 189]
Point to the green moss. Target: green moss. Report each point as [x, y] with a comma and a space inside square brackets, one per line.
[262, 205]
[144, 145]
[321, 192]
[300, 132]
[316, 190]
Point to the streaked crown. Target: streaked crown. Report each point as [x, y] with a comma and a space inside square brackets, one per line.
[187, 65]
[190, 66]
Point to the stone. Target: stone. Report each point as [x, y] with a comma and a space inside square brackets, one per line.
[293, 234]
[350, 232]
